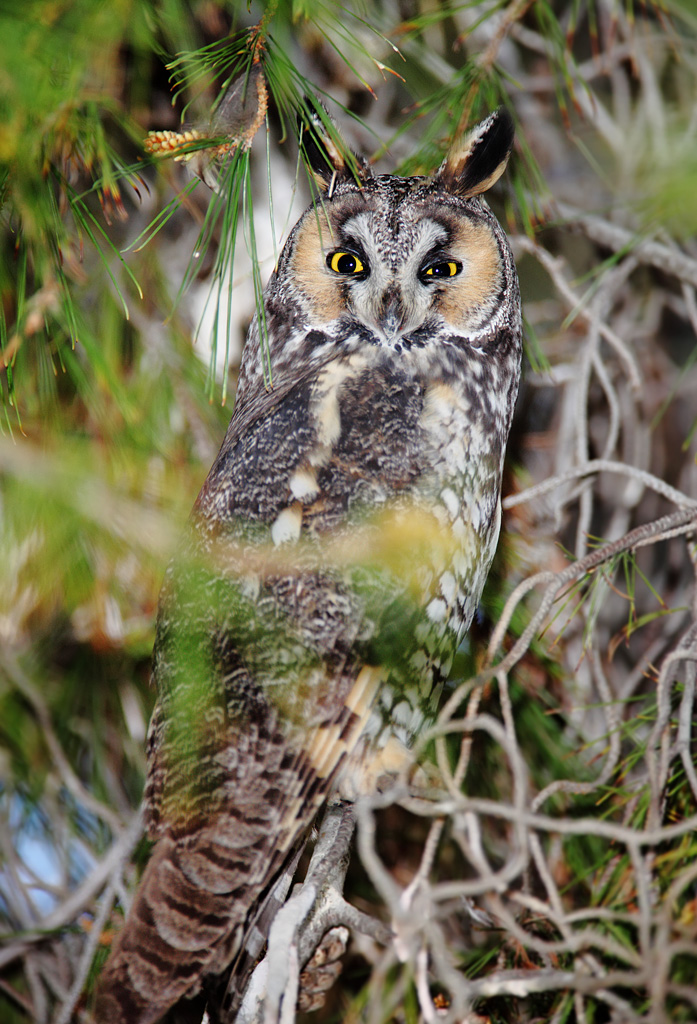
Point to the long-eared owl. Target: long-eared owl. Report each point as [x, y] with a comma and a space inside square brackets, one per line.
[336, 553]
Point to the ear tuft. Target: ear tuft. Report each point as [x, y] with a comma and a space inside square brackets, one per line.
[474, 165]
[326, 155]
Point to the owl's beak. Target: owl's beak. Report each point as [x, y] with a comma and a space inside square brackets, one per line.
[391, 313]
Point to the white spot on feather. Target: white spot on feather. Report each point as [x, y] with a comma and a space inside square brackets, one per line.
[303, 484]
[287, 525]
[451, 501]
[437, 610]
[329, 419]
[325, 404]
[448, 587]
[460, 564]
[460, 531]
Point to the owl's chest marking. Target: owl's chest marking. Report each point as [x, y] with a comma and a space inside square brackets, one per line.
[467, 462]
[363, 445]
[325, 410]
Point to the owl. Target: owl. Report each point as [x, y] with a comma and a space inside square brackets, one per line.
[335, 555]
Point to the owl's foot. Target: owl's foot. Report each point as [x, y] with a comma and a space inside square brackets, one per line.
[309, 930]
[322, 969]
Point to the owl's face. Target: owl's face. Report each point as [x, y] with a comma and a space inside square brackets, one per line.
[399, 255]
[417, 270]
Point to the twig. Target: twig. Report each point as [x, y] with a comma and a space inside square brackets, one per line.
[65, 771]
[650, 253]
[110, 866]
[602, 466]
[65, 1011]
[682, 521]
[554, 265]
[541, 822]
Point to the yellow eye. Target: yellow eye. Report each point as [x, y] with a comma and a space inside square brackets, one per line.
[446, 269]
[345, 263]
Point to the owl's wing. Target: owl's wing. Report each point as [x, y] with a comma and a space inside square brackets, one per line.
[266, 679]
[204, 881]
[233, 804]
[262, 402]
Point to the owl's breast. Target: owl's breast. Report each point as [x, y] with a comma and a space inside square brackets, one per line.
[409, 449]
[464, 481]
[367, 447]
[353, 524]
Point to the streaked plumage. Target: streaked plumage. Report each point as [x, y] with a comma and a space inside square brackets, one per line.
[336, 554]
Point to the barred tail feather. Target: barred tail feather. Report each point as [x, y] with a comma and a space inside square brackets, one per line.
[175, 931]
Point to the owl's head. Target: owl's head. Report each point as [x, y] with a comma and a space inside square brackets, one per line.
[402, 258]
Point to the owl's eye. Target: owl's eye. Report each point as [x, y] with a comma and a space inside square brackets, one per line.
[448, 268]
[346, 263]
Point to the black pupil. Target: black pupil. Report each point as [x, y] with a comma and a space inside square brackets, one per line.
[346, 264]
[441, 270]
